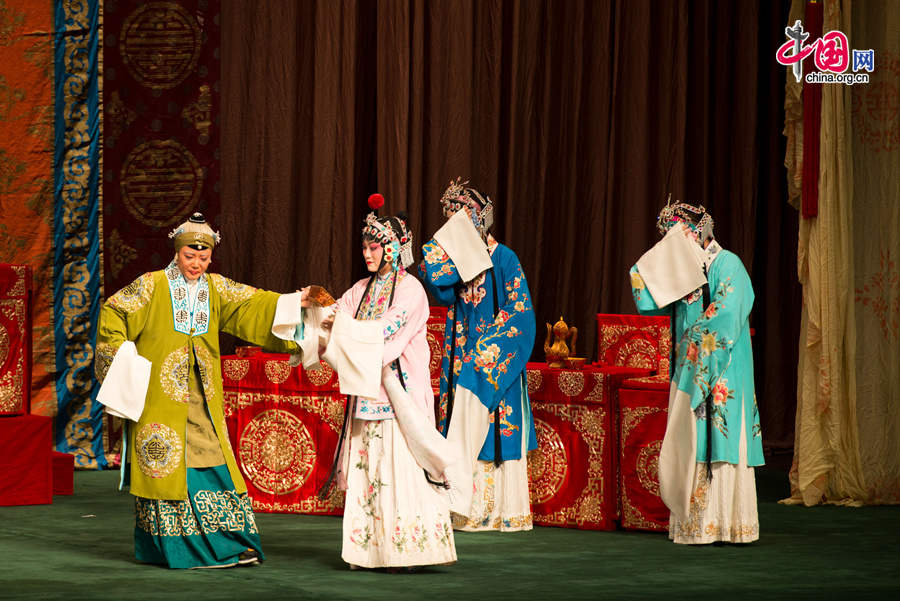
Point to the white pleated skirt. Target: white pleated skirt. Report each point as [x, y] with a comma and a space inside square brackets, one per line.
[722, 509]
[500, 501]
[392, 516]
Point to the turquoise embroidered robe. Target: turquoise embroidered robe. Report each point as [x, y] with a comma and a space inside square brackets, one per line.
[489, 352]
[713, 354]
[152, 312]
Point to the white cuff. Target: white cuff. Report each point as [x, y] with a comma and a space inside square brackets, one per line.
[124, 389]
[355, 351]
[288, 315]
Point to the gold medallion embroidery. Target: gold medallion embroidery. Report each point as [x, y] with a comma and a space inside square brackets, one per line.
[103, 357]
[174, 375]
[547, 465]
[207, 366]
[158, 450]
[277, 452]
[571, 383]
[320, 377]
[534, 380]
[235, 369]
[277, 371]
[230, 290]
[135, 295]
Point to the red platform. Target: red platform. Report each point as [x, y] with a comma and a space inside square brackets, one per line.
[15, 339]
[26, 476]
[572, 474]
[643, 403]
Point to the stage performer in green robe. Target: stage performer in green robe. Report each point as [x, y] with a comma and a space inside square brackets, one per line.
[158, 361]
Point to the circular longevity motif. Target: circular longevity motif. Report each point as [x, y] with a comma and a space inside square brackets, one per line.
[277, 452]
[547, 465]
[158, 450]
[160, 44]
[160, 182]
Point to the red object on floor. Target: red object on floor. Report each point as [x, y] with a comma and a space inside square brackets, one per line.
[640, 341]
[643, 403]
[572, 474]
[15, 339]
[26, 476]
[63, 473]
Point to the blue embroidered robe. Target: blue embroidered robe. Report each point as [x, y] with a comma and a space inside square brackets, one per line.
[713, 355]
[489, 353]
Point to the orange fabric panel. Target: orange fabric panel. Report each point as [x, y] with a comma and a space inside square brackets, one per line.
[26, 172]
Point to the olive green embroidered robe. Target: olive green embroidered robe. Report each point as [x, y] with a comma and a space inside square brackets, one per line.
[155, 312]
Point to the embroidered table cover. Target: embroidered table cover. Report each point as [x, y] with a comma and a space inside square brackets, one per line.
[572, 474]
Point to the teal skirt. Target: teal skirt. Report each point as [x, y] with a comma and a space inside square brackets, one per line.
[212, 527]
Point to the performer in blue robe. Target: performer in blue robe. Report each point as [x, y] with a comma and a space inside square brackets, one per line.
[712, 378]
[489, 336]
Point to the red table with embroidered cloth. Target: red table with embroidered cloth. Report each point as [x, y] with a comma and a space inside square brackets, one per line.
[643, 403]
[15, 339]
[572, 474]
[283, 424]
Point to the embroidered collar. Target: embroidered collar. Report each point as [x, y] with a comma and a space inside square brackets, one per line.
[191, 316]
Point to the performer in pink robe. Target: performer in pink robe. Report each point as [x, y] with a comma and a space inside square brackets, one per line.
[395, 515]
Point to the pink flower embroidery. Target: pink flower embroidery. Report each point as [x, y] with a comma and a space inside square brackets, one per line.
[721, 394]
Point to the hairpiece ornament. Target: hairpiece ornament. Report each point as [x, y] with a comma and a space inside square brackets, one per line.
[391, 232]
[695, 217]
[195, 232]
[459, 195]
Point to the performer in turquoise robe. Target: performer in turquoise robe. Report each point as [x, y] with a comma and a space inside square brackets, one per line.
[488, 340]
[713, 367]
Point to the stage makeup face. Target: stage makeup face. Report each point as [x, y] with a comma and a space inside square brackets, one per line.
[372, 253]
[192, 262]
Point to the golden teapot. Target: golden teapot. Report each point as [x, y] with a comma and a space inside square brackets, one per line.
[560, 343]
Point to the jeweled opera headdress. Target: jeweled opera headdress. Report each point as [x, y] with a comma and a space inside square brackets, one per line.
[695, 217]
[195, 232]
[391, 232]
[459, 195]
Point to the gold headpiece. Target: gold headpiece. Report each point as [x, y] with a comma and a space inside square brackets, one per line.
[195, 232]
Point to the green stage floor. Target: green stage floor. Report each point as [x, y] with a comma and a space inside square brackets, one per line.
[81, 548]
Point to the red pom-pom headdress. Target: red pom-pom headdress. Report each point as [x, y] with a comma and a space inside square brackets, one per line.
[388, 229]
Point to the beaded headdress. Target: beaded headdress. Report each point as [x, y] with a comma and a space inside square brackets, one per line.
[459, 195]
[695, 217]
[391, 232]
[195, 232]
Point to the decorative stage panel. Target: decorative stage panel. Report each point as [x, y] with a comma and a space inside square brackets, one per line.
[634, 341]
[572, 474]
[15, 339]
[643, 404]
[283, 424]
